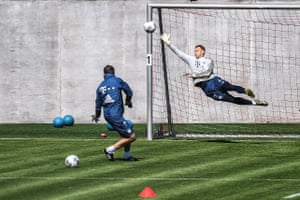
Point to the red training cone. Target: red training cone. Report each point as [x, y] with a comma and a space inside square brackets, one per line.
[147, 193]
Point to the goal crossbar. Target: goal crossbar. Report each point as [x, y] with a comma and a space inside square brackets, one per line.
[226, 6]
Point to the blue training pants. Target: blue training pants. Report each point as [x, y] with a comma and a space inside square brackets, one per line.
[218, 88]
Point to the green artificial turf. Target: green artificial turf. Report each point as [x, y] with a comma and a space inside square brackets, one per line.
[32, 166]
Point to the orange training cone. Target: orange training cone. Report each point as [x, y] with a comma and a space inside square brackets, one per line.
[147, 193]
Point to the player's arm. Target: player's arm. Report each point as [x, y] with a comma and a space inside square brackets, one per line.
[128, 91]
[98, 103]
[183, 56]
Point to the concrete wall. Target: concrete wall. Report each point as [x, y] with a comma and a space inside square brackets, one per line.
[52, 54]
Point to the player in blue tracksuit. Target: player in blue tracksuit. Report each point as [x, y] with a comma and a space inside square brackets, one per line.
[109, 96]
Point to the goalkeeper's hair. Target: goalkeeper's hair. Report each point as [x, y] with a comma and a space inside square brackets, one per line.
[200, 46]
[109, 69]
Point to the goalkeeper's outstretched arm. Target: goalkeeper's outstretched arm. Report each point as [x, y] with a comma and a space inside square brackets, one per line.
[183, 56]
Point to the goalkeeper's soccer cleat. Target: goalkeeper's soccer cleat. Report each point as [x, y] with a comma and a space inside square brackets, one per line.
[109, 156]
[249, 92]
[260, 102]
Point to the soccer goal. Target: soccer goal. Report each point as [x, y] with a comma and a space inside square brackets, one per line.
[255, 46]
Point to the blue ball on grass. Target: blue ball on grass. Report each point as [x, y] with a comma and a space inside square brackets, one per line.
[68, 120]
[129, 122]
[58, 122]
[109, 126]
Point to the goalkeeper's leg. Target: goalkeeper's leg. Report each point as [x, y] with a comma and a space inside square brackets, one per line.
[224, 96]
[230, 87]
[217, 88]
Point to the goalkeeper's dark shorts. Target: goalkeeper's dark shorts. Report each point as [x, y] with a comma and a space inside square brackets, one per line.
[121, 126]
[218, 88]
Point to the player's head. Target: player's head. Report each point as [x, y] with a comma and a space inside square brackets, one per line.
[199, 51]
[109, 69]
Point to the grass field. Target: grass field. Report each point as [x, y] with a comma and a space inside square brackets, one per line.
[32, 166]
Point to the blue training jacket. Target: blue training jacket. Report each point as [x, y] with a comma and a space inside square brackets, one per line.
[109, 96]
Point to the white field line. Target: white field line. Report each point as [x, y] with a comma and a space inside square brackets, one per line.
[236, 136]
[149, 179]
[177, 135]
[64, 139]
[292, 196]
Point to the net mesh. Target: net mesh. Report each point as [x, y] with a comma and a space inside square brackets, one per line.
[255, 48]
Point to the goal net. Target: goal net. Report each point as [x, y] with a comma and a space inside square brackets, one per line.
[255, 47]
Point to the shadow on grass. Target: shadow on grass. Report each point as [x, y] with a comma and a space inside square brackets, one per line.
[240, 141]
[222, 141]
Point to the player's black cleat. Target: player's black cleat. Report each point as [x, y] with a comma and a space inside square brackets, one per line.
[131, 158]
[109, 156]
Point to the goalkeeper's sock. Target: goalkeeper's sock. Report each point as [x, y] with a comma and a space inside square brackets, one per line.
[110, 149]
[127, 154]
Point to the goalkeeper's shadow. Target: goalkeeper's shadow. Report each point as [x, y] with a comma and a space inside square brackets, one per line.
[245, 141]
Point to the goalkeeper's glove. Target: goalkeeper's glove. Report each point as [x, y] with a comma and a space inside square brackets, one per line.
[128, 102]
[95, 117]
[166, 38]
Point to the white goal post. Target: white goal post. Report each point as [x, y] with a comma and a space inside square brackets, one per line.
[253, 45]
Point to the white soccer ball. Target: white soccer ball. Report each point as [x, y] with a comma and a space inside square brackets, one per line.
[149, 27]
[72, 161]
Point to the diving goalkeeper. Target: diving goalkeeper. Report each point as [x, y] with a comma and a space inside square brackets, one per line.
[204, 77]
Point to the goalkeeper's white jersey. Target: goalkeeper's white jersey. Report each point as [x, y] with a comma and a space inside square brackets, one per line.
[202, 68]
